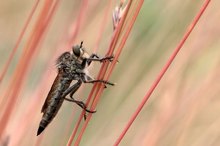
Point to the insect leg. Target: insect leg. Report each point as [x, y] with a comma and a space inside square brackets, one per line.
[92, 56]
[110, 58]
[95, 81]
[100, 81]
[71, 90]
[79, 103]
[89, 60]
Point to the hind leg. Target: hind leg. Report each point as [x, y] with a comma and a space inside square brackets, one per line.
[71, 90]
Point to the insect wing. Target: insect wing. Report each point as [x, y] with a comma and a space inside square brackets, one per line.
[51, 93]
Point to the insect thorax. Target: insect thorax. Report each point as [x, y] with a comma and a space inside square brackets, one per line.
[68, 64]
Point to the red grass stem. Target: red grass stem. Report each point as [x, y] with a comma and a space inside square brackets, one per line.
[163, 71]
[95, 90]
[11, 56]
[21, 70]
[27, 118]
[79, 21]
[104, 68]
[103, 25]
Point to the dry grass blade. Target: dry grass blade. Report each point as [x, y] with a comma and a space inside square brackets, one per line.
[95, 49]
[21, 70]
[19, 40]
[119, 37]
[163, 71]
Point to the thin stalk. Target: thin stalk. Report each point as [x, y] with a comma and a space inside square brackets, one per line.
[95, 86]
[162, 72]
[114, 42]
[79, 21]
[22, 68]
[11, 56]
[27, 119]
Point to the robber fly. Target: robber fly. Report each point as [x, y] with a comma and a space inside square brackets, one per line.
[71, 66]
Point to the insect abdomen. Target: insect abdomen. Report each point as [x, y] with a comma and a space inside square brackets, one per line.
[54, 101]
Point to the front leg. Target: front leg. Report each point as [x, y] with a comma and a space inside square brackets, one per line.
[92, 58]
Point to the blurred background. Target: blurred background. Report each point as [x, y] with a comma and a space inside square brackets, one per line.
[184, 108]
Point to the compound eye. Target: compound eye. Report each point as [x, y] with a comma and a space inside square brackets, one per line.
[77, 51]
